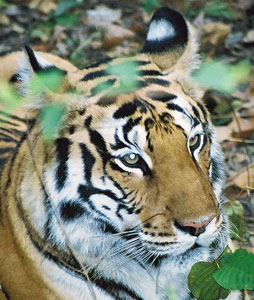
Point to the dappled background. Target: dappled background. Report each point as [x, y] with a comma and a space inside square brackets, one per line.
[85, 31]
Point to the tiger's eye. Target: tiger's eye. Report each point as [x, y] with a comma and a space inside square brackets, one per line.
[131, 158]
[194, 140]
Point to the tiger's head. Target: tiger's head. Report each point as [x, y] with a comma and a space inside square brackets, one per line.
[135, 176]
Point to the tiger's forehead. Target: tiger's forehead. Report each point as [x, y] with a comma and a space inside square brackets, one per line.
[129, 111]
[157, 97]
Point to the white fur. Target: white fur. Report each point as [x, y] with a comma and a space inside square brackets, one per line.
[160, 30]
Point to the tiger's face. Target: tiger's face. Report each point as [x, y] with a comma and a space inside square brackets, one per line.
[140, 170]
[132, 180]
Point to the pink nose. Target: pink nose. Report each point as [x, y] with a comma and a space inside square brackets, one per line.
[196, 228]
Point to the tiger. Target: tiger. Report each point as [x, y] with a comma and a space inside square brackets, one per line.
[128, 194]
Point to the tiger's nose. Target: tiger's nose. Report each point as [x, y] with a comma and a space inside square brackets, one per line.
[194, 228]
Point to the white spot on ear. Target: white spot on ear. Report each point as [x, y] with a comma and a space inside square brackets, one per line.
[160, 30]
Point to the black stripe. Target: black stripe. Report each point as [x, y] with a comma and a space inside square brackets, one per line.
[3, 113]
[126, 110]
[196, 113]
[2, 163]
[102, 86]
[70, 210]
[97, 139]
[5, 293]
[6, 150]
[116, 289]
[143, 104]
[118, 143]
[175, 107]
[15, 78]
[160, 96]
[93, 75]
[157, 81]
[32, 58]
[86, 191]
[150, 73]
[129, 126]
[115, 167]
[88, 160]
[62, 153]
[12, 131]
[142, 62]
[203, 110]
[6, 138]
[8, 122]
[141, 83]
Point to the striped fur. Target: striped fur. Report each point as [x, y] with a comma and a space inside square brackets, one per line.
[108, 209]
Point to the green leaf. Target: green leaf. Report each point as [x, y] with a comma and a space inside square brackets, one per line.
[215, 75]
[240, 72]
[68, 20]
[46, 80]
[218, 9]
[221, 76]
[150, 4]
[9, 97]
[127, 72]
[65, 5]
[202, 284]
[51, 118]
[3, 3]
[237, 271]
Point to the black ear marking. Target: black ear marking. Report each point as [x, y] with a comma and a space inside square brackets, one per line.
[167, 30]
[32, 58]
[37, 67]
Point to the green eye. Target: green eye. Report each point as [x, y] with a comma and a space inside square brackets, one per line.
[194, 140]
[130, 158]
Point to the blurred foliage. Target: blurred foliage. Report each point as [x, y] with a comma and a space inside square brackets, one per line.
[46, 80]
[235, 213]
[9, 98]
[65, 6]
[3, 3]
[222, 77]
[209, 8]
[127, 73]
[218, 9]
[150, 4]
[51, 118]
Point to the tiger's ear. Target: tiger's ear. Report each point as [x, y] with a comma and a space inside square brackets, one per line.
[30, 64]
[170, 41]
